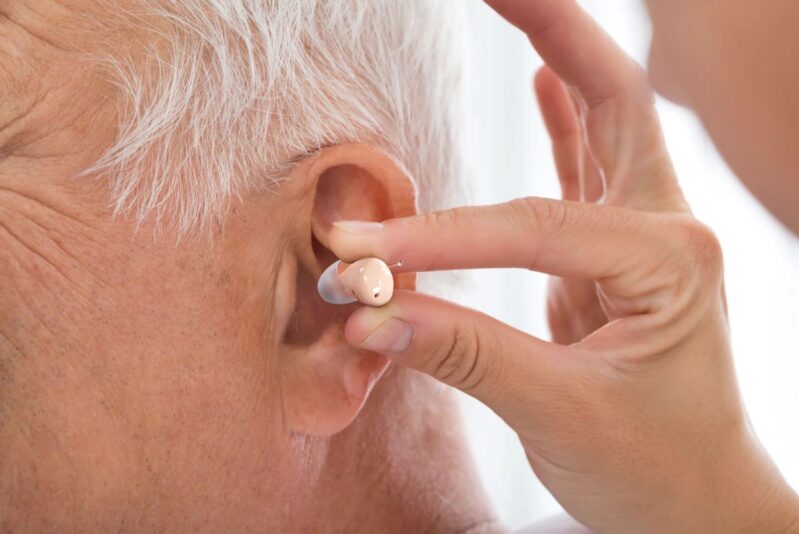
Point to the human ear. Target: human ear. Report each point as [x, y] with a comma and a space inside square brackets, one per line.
[325, 382]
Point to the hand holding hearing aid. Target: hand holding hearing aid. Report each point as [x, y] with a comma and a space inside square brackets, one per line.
[631, 416]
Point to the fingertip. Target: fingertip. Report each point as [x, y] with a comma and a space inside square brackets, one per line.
[351, 242]
[363, 322]
[548, 88]
[407, 306]
[349, 246]
[557, 108]
[543, 77]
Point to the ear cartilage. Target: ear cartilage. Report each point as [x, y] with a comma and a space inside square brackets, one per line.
[368, 280]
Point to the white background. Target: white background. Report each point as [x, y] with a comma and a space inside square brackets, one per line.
[512, 159]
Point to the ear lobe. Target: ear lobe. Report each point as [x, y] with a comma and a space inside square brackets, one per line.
[325, 381]
[328, 385]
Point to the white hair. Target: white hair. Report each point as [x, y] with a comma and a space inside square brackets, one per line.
[229, 93]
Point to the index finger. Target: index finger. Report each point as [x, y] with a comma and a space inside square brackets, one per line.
[569, 239]
[576, 48]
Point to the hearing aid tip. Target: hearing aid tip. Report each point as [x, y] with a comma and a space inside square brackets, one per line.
[331, 289]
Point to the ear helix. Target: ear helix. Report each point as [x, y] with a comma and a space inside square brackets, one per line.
[368, 281]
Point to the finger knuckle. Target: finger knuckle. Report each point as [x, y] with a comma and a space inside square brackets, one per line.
[461, 362]
[437, 219]
[694, 253]
[701, 248]
[539, 214]
[410, 225]
[632, 85]
[638, 79]
[538, 217]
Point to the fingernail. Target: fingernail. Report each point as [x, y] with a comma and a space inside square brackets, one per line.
[394, 335]
[359, 227]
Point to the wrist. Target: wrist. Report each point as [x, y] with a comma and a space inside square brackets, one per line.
[776, 509]
[784, 511]
[751, 494]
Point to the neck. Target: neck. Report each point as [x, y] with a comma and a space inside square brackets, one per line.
[413, 475]
[148, 419]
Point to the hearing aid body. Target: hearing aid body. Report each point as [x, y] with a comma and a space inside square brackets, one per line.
[368, 280]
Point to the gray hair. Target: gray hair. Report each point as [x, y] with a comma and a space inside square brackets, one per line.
[229, 93]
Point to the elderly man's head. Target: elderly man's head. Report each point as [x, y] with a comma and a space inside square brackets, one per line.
[169, 173]
[222, 97]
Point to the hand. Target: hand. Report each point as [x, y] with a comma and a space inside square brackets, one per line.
[632, 418]
[608, 148]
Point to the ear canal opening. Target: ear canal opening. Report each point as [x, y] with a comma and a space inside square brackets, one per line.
[323, 255]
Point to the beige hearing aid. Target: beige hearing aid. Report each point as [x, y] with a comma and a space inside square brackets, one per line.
[368, 280]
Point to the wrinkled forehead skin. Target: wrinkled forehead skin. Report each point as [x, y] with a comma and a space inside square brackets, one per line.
[185, 105]
[55, 102]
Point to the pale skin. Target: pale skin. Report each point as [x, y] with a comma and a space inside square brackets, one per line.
[631, 416]
[143, 383]
[150, 384]
[734, 63]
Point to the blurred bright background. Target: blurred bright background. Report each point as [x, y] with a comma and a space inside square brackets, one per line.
[512, 158]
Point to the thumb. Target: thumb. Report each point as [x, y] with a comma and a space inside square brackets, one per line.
[504, 368]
